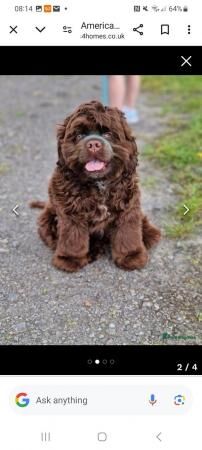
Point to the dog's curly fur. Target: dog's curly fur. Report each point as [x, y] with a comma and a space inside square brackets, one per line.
[94, 198]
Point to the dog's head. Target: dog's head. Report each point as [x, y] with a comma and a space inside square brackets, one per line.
[96, 142]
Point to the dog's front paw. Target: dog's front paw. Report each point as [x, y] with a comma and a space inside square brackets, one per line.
[69, 264]
[136, 259]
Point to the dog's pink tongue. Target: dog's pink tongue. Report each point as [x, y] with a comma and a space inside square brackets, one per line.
[94, 164]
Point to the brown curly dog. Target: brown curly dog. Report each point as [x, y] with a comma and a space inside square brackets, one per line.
[94, 197]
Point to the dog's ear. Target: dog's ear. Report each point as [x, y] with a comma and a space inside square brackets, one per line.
[134, 151]
[130, 137]
[126, 132]
[60, 132]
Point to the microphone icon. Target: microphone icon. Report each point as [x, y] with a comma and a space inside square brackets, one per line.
[152, 399]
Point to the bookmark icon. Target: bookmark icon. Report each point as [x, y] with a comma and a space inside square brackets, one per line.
[165, 29]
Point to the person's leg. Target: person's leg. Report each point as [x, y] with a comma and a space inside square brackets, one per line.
[132, 90]
[117, 90]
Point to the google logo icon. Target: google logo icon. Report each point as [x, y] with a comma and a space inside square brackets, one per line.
[22, 400]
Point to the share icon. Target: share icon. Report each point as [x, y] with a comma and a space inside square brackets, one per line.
[137, 29]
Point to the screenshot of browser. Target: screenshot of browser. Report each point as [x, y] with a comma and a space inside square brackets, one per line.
[100, 224]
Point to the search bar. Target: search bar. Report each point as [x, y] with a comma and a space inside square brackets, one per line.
[88, 400]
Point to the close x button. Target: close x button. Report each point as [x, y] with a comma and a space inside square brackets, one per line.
[13, 29]
[186, 61]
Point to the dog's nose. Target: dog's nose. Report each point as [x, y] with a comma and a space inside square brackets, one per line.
[94, 145]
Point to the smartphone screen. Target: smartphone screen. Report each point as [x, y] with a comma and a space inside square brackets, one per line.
[100, 225]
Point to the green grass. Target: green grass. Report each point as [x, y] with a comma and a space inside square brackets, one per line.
[179, 150]
[149, 182]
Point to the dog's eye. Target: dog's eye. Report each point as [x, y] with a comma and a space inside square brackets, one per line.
[107, 135]
[79, 137]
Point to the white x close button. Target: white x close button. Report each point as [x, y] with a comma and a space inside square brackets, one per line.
[186, 61]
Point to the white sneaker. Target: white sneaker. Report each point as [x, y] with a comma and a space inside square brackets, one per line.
[131, 114]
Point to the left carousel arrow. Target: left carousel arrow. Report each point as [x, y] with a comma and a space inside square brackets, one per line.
[15, 210]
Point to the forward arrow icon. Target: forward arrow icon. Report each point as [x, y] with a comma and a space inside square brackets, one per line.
[187, 210]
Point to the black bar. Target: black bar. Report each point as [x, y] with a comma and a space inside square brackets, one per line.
[94, 60]
[80, 360]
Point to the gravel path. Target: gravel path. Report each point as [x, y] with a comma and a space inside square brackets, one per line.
[100, 304]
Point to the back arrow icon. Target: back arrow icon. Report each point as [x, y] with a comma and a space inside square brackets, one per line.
[187, 210]
[14, 210]
[40, 30]
[159, 437]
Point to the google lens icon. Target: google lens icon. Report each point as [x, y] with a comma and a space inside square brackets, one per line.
[22, 400]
